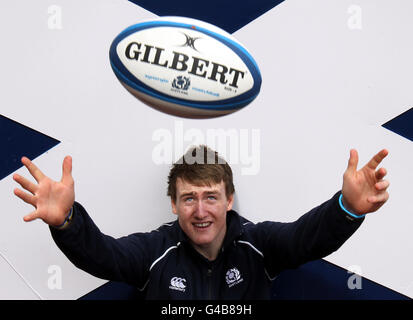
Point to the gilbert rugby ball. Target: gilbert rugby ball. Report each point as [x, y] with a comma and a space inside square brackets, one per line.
[185, 67]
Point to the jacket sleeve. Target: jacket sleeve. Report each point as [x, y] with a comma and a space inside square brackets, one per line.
[125, 259]
[314, 235]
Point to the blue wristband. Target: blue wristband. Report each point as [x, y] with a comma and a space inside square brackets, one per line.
[346, 211]
[67, 220]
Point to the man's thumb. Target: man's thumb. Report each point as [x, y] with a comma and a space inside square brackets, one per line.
[30, 217]
[67, 170]
[353, 160]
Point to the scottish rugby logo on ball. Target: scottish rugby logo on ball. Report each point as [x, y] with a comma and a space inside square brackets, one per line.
[185, 67]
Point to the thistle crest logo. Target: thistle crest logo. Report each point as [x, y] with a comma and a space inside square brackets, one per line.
[181, 83]
[233, 277]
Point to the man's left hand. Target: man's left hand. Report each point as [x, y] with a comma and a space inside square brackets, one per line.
[365, 190]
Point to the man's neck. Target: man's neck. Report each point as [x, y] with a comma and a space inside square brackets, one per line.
[211, 250]
[209, 253]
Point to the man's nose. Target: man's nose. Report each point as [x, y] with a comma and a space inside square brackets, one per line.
[201, 210]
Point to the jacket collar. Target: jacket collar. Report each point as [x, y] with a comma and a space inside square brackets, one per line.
[235, 228]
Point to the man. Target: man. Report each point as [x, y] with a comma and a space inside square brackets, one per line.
[209, 252]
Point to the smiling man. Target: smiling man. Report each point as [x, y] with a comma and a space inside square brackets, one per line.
[210, 251]
[202, 191]
[202, 215]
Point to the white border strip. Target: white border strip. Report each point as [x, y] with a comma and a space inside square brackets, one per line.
[260, 253]
[157, 260]
[21, 276]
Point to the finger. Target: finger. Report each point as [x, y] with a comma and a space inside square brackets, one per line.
[26, 184]
[382, 185]
[375, 161]
[67, 170]
[34, 171]
[26, 197]
[353, 160]
[379, 198]
[30, 217]
[380, 174]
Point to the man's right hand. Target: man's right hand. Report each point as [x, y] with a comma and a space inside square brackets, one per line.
[52, 200]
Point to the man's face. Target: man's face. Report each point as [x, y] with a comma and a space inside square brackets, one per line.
[202, 214]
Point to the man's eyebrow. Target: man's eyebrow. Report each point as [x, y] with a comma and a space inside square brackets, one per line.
[192, 193]
[212, 192]
[189, 193]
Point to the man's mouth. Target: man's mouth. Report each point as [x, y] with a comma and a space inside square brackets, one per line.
[202, 225]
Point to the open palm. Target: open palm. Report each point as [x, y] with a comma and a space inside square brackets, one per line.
[365, 191]
[52, 199]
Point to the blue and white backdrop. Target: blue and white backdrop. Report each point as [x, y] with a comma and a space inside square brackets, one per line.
[336, 75]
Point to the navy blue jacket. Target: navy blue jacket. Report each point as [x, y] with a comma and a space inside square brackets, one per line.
[164, 265]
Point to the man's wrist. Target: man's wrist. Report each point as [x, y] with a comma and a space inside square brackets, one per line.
[349, 213]
[67, 220]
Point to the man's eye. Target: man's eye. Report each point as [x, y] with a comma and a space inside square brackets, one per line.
[211, 198]
[189, 199]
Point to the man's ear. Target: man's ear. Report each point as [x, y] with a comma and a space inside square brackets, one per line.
[173, 204]
[230, 202]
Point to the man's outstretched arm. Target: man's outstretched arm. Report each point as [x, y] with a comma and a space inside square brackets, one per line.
[325, 228]
[123, 259]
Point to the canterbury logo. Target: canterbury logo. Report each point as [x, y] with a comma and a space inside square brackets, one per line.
[178, 284]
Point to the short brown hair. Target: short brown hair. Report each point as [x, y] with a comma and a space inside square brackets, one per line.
[200, 166]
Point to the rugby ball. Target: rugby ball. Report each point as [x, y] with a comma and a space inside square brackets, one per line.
[185, 67]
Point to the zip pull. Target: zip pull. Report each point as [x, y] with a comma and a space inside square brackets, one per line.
[209, 274]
